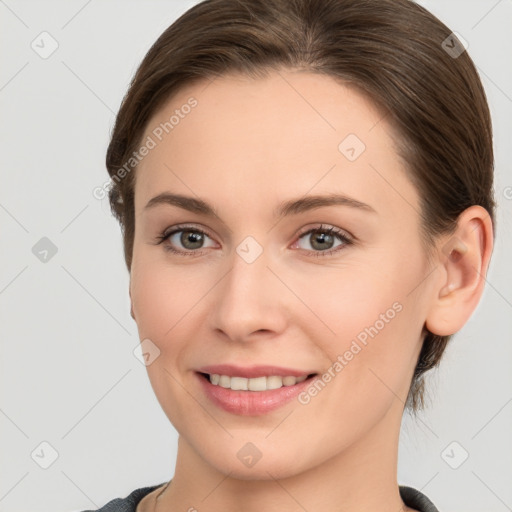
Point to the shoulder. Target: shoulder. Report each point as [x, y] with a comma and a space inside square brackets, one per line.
[416, 499]
[130, 502]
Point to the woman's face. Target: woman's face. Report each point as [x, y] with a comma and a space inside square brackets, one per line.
[268, 284]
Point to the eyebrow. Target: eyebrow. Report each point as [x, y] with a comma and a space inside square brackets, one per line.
[286, 208]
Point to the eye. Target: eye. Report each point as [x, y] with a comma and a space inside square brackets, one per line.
[189, 238]
[322, 240]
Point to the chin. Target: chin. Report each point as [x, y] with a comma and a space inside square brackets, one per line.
[271, 464]
[260, 471]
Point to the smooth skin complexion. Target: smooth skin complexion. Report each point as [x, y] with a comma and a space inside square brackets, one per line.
[249, 146]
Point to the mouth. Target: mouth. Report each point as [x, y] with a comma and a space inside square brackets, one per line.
[252, 391]
[256, 384]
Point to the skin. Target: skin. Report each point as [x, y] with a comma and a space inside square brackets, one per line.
[247, 146]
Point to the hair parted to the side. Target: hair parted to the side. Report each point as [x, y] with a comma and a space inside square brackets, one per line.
[390, 50]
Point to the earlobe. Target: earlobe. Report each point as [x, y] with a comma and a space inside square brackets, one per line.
[463, 262]
[131, 302]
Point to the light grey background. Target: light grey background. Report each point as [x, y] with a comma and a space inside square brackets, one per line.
[68, 373]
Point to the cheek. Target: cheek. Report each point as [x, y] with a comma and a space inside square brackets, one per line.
[163, 297]
[343, 302]
[364, 318]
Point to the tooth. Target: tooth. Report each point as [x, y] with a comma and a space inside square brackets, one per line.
[257, 384]
[274, 382]
[289, 381]
[239, 383]
[225, 381]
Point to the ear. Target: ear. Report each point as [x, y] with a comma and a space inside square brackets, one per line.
[131, 302]
[464, 259]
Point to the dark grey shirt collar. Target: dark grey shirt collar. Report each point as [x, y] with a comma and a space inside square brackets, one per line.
[411, 497]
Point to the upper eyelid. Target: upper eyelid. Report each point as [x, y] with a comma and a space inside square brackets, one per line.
[325, 227]
[183, 227]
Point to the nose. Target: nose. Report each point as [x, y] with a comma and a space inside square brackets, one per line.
[250, 301]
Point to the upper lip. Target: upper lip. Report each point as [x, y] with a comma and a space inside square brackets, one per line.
[252, 371]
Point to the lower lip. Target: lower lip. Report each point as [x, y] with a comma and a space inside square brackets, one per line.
[251, 403]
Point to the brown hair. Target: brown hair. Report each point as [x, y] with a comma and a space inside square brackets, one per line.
[395, 51]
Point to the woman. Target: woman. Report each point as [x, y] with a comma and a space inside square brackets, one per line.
[305, 193]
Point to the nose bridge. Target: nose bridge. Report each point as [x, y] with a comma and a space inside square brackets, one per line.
[248, 299]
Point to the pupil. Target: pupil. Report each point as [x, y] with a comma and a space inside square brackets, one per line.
[191, 237]
[322, 238]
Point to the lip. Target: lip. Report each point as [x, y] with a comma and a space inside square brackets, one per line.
[251, 403]
[253, 371]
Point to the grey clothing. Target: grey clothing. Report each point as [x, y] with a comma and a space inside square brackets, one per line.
[411, 497]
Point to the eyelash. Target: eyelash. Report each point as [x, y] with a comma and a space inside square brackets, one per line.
[329, 230]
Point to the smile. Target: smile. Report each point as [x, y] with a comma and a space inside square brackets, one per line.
[252, 391]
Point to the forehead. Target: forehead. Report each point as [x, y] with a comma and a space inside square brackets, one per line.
[280, 136]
